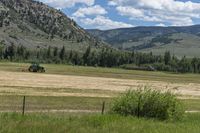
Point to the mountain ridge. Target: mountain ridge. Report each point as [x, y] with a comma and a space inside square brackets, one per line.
[153, 38]
[34, 24]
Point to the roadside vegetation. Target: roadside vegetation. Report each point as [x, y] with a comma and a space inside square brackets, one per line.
[40, 123]
[163, 114]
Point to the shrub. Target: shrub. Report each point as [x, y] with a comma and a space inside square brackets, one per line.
[149, 103]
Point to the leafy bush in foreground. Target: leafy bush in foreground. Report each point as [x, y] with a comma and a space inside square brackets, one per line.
[149, 103]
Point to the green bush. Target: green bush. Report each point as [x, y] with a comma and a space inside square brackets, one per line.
[149, 103]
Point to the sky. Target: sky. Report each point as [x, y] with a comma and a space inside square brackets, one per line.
[112, 14]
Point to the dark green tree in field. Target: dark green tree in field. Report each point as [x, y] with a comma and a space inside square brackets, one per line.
[70, 55]
[76, 59]
[38, 55]
[184, 65]
[167, 57]
[94, 59]
[86, 55]
[21, 51]
[138, 59]
[62, 53]
[49, 52]
[195, 65]
[27, 55]
[10, 52]
[174, 63]
[55, 51]
[1, 52]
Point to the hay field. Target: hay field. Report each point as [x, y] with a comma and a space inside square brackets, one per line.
[83, 89]
[19, 83]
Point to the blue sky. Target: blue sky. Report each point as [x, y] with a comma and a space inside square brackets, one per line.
[111, 14]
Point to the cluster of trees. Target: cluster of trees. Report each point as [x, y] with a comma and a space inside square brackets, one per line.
[104, 57]
[183, 65]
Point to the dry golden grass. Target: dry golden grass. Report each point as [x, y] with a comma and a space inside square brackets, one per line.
[20, 83]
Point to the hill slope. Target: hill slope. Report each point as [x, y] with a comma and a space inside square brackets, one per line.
[36, 25]
[179, 40]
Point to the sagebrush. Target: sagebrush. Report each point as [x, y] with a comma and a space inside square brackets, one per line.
[149, 103]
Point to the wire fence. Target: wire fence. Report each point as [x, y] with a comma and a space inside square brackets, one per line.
[51, 104]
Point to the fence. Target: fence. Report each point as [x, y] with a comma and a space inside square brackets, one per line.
[52, 104]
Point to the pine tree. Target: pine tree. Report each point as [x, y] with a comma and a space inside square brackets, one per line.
[86, 55]
[62, 53]
[167, 57]
[55, 52]
[11, 51]
[49, 52]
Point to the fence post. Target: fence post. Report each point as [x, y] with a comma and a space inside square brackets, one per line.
[103, 108]
[23, 107]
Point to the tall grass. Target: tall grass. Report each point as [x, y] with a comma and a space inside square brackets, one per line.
[149, 103]
[38, 123]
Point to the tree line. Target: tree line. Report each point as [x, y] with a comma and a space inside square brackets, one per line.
[105, 57]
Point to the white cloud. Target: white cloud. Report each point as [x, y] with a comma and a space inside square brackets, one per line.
[67, 3]
[130, 11]
[134, 13]
[169, 12]
[173, 12]
[93, 10]
[104, 23]
[161, 25]
[112, 3]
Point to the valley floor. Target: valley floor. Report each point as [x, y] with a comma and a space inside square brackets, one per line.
[19, 83]
[61, 99]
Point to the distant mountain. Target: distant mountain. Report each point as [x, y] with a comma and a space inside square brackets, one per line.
[179, 40]
[36, 25]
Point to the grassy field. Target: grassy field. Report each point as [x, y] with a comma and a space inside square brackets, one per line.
[106, 72]
[41, 103]
[61, 104]
[34, 123]
[69, 99]
[69, 93]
